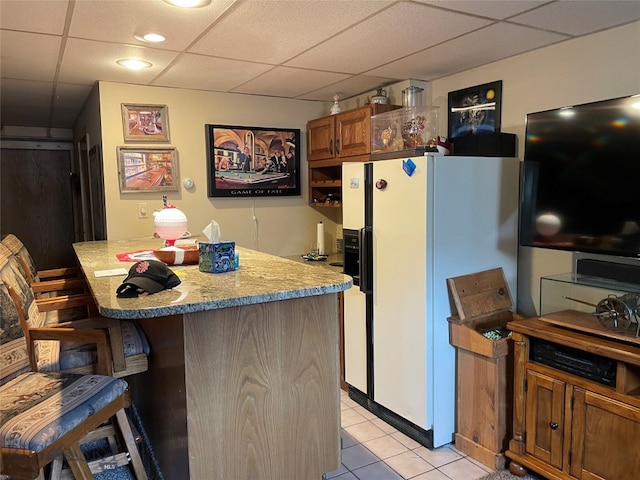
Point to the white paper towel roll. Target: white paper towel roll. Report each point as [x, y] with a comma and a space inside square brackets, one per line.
[320, 238]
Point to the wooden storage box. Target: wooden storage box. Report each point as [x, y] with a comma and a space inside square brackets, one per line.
[481, 302]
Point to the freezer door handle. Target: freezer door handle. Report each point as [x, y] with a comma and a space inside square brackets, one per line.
[366, 244]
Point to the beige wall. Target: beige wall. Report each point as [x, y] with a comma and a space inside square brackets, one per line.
[597, 67]
[282, 226]
[600, 66]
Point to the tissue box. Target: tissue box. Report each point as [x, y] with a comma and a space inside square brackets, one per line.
[217, 257]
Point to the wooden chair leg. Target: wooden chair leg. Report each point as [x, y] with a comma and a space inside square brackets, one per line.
[130, 442]
[105, 431]
[77, 462]
[117, 346]
[56, 468]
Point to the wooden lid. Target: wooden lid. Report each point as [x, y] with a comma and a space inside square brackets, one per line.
[479, 293]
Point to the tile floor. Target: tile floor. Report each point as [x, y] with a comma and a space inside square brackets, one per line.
[374, 450]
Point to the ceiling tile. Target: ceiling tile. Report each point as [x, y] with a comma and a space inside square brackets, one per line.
[41, 16]
[203, 73]
[71, 96]
[349, 87]
[400, 30]
[29, 56]
[586, 16]
[25, 93]
[288, 82]
[469, 51]
[274, 31]
[25, 116]
[120, 20]
[306, 49]
[498, 9]
[86, 60]
[63, 116]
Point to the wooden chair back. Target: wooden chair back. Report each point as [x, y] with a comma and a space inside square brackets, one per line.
[43, 333]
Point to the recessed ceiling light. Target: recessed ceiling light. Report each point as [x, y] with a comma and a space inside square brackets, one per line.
[189, 3]
[133, 63]
[151, 37]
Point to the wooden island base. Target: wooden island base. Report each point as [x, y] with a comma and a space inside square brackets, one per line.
[244, 392]
[243, 378]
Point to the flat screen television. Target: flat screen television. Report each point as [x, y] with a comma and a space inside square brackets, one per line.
[580, 187]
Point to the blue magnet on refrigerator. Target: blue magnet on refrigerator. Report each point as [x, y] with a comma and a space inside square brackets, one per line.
[408, 166]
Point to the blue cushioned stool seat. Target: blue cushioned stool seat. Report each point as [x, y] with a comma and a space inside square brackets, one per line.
[42, 414]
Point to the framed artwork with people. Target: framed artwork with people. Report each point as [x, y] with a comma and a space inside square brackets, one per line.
[252, 161]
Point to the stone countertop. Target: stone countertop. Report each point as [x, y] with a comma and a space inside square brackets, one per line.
[260, 278]
[332, 258]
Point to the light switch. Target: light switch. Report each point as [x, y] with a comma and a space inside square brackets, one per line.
[142, 210]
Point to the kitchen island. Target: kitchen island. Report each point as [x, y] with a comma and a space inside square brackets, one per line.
[243, 379]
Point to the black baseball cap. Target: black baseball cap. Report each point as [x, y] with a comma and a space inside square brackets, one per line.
[149, 276]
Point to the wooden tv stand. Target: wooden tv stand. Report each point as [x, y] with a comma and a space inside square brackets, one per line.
[565, 425]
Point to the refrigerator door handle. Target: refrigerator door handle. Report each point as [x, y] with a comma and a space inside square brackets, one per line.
[364, 259]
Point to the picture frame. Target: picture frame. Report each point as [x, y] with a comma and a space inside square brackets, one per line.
[150, 169]
[252, 161]
[145, 123]
[475, 110]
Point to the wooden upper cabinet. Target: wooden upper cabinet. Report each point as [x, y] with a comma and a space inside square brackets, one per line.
[321, 138]
[338, 136]
[332, 140]
[353, 132]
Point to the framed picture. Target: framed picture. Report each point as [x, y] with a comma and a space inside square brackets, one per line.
[148, 169]
[475, 110]
[252, 161]
[145, 123]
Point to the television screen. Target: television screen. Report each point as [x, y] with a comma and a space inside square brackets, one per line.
[581, 178]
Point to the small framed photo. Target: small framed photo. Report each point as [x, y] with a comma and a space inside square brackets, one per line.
[148, 169]
[475, 110]
[145, 123]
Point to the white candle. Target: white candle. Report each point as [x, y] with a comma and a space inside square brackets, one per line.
[320, 238]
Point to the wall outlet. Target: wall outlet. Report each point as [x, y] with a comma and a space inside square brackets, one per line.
[143, 212]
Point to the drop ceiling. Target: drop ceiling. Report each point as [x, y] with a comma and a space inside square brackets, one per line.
[53, 51]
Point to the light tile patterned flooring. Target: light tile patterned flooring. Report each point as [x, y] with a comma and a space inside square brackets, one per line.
[374, 450]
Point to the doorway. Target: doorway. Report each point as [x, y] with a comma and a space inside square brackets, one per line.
[36, 202]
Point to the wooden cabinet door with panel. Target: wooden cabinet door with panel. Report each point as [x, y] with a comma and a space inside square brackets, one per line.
[545, 418]
[321, 140]
[353, 130]
[604, 432]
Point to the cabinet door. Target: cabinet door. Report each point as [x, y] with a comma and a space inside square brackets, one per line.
[605, 441]
[353, 132]
[545, 418]
[321, 139]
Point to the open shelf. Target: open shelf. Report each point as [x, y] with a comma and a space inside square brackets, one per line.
[326, 183]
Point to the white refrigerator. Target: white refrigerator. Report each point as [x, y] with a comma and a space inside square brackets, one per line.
[450, 216]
